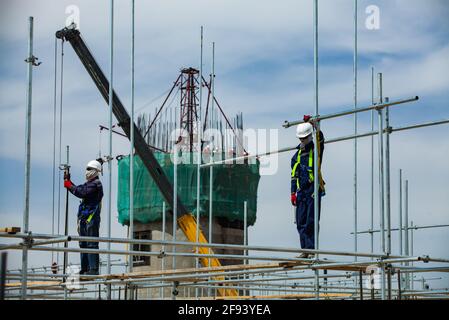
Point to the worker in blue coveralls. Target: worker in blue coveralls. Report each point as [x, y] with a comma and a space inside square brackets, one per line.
[302, 184]
[91, 193]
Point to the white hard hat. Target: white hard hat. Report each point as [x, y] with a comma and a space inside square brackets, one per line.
[303, 130]
[94, 164]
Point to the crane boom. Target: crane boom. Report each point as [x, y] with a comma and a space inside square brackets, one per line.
[73, 36]
[186, 221]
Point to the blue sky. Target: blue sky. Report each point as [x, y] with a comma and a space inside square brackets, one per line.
[264, 67]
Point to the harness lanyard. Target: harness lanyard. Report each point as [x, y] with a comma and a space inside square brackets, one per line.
[93, 213]
[320, 177]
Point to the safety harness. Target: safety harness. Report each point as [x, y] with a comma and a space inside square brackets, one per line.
[90, 211]
[309, 167]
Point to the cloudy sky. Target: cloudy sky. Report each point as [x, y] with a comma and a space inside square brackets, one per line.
[264, 67]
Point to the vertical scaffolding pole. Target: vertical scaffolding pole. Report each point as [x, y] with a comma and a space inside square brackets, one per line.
[211, 179]
[131, 153]
[372, 162]
[407, 253]
[355, 129]
[175, 211]
[400, 229]
[245, 237]
[198, 172]
[211, 151]
[381, 182]
[26, 209]
[315, 149]
[3, 268]
[54, 147]
[412, 280]
[387, 177]
[245, 228]
[162, 294]
[111, 78]
[66, 221]
[400, 212]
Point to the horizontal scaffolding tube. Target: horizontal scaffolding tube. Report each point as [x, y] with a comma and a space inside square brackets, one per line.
[412, 227]
[288, 124]
[311, 265]
[209, 245]
[343, 138]
[36, 243]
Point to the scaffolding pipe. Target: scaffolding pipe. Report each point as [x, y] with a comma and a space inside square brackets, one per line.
[219, 246]
[231, 273]
[66, 220]
[61, 87]
[387, 177]
[212, 147]
[355, 128]
[407, 277]
[111, 92]
[131, 153]
[199, 144]
[414, 228]
[3, 268]
[411, 253]
[54, 144]
[381, 181]
[348, 276]
[218, 256]
[372, 160]
[175, 212]
[162, 294]
[26, 211]
[315, 149]
[245, 228]
[339, 139]
[352, 111]
[400, 212]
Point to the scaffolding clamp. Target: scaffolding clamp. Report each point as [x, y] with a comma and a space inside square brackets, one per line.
[64, 167]
[28, 240]
[175, 291]
[161, 254]
[33, 60]
[424, 259]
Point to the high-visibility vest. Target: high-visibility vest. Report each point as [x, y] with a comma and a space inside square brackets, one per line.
[310, 167]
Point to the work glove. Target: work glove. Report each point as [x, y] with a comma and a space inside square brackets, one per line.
[308, 118]
[293, 198]
[66, 175]
[68, 184]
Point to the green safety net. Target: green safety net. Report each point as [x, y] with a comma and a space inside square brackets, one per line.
[232, 185]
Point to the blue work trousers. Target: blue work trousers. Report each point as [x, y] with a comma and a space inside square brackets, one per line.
[305, 217]
[89, 261]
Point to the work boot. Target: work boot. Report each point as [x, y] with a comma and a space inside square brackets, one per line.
[92, 273]
[303, 255]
